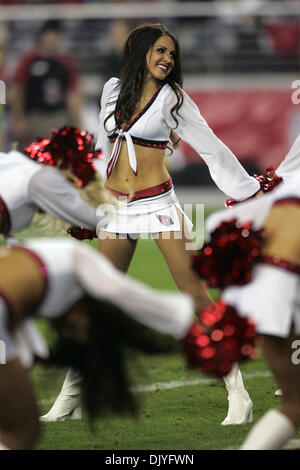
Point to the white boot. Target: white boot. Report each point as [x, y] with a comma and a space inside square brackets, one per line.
[67, 404]
[271, 432]
[278, 393]
[240, 404]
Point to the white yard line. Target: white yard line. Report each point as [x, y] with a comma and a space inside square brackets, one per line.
[178, 383]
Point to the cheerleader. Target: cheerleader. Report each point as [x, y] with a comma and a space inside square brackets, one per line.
[97, 311]
[240, 404]
[139, 114]
[271, 299]
[56, 176]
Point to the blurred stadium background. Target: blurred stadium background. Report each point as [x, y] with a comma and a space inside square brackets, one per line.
[241, 63]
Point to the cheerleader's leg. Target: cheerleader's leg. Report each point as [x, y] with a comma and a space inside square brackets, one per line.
[277, 426]
[178, 259]
[67, 404]
[173, 246]
[166, 312]
[19, 424]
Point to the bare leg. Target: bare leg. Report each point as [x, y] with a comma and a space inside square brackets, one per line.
[67, 405]
[19, 424]
[119, 251]
[178, 259]
[276, 427]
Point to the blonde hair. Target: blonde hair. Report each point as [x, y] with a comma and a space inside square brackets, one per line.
[94, 193]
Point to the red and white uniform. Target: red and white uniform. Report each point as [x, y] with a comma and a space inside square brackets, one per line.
[72, 269]
[152, 128]
[272, 298]
[26, 186]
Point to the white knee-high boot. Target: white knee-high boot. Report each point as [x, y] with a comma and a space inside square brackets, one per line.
[271, 432]
[67, 404]
[240, 404]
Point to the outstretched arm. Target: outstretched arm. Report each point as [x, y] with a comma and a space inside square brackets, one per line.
[226, 171]
[52, 193]
[166, 312]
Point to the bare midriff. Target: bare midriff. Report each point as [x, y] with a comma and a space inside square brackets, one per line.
[151, 170]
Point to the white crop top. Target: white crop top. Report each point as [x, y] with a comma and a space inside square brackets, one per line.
[155, 123]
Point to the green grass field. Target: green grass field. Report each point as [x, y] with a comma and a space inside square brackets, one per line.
[185, 417]
[181, 411]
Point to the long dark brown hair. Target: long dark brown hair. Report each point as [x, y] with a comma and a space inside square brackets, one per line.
[134, 69]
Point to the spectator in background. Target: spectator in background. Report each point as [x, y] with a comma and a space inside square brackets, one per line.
[284, 37]
[46, 91]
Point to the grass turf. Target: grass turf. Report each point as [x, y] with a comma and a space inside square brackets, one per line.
[182, 418]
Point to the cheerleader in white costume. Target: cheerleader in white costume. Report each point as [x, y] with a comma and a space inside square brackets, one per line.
[63, 272]
[138, 114]
[27, 186]
[240, 404]
[133, 133]
[272, 300]
[56, 176]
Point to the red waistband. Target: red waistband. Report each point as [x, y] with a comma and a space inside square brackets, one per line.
[145, 193]
[281, 263]
[5, 223]
[157, 144]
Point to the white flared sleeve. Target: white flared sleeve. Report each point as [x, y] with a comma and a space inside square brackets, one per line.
[270, 299]
[52, 193]
[166, 312]
[289, 168]
[225, 170]
[102, 139]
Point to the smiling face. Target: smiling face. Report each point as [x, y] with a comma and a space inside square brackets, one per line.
[160, 59]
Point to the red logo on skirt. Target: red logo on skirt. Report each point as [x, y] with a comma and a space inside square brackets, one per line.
[165, 220]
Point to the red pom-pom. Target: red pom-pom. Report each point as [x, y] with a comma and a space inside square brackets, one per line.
[69, 149]
[222, 339]
[82, 233]
[267, 182]
[229, 256]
